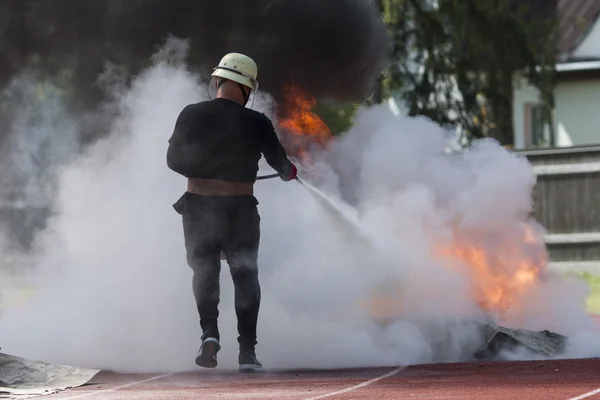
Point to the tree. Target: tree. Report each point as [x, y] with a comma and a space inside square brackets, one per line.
[456, 61]
[338, 117]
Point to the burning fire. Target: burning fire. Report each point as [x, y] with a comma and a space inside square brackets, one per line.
[303, 126]
[499, 277]
[499, 274]
[296, 115]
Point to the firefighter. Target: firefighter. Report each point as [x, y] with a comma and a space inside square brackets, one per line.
[216, 145]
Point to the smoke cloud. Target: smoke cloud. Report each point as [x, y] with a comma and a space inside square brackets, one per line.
[114, 290]
[79, 55]
[333, 48]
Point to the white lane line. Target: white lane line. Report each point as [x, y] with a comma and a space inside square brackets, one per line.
[97, 392]
[586, 395]
[359, 386]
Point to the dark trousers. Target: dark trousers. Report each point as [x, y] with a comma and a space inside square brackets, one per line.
[211, 225]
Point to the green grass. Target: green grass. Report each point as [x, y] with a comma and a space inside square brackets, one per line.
[593, 300]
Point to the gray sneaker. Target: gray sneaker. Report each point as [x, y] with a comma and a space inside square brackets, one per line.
[248, 362]
[207, 355]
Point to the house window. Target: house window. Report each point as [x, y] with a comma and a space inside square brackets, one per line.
[535, 131]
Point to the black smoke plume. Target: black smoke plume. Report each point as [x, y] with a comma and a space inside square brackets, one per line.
[332, 48]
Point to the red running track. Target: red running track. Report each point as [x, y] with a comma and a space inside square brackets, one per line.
[577, 379]
[548, 380]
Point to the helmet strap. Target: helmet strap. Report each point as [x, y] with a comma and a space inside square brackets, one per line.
[244, 94]
[221, 83]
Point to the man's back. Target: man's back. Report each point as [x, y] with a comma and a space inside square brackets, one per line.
[217, 145]
[220, 139]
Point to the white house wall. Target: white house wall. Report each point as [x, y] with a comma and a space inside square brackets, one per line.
[523, 94]
[590, 46]
[577, 114]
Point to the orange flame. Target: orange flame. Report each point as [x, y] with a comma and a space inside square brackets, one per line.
[500, 278]
[303, 129]
[296, 115]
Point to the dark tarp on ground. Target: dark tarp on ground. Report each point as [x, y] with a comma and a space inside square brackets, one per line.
[499, 339]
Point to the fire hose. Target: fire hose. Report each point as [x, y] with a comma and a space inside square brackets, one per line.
[267, 177]
[260, 178]
[325, 201]
[270, 176]
[339, 216]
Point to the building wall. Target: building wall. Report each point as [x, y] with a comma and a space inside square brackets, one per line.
[524, 94]
[577, 114]
[589, 48]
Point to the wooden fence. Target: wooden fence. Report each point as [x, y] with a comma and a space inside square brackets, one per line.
[567, 204]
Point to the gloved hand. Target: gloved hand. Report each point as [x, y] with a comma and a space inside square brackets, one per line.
[291, 176]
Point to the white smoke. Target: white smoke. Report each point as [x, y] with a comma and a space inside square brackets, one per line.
[115, 290]
[45, 136]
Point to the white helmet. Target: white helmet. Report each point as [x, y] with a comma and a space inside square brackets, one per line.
[238, 68]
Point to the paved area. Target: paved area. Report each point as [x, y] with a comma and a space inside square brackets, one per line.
[549, 380]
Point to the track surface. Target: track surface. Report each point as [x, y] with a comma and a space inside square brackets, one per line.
[549, 380]
[531, 380]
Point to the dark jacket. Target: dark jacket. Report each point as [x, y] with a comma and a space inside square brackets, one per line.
[221, 139]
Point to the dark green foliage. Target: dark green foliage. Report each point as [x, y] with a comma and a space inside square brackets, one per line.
[338, 117]
[473, 47]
